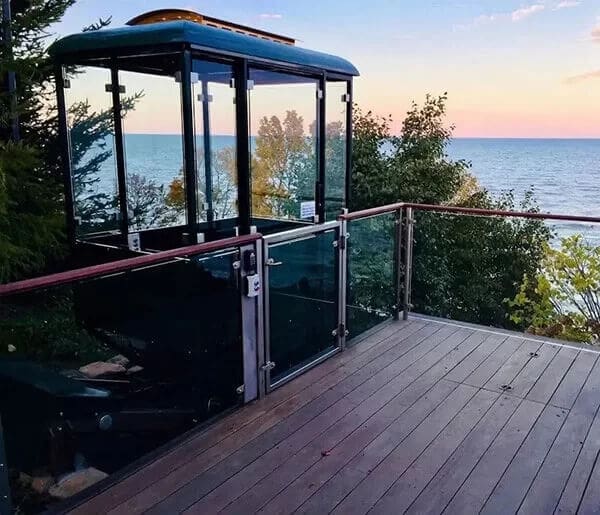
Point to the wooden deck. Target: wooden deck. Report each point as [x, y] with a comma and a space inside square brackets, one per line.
[420, 417]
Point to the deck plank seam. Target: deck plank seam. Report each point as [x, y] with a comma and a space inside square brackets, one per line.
[437, 381]
[467, 335]
[484, 454]
[350, 458]
[553, 442]
[587, 483]
[527, 361]
[575, 463]
[492, 440]
[425, 339]
[403, 439]
[498, 397]
[421, 341]
[519, 449]
[192, 455]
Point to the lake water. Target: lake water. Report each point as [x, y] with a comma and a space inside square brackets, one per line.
[565, 174]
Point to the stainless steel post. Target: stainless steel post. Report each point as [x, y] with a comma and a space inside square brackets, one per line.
[408, 262]
[342, 281]
[398, 263]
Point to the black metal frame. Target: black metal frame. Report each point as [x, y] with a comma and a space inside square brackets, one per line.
[119, 150]
[241, 65]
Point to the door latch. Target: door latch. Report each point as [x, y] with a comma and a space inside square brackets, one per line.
[269, 365]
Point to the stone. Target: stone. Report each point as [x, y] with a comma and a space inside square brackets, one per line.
[119, 359]
[25, 479]
[101, 368]
[135, 369]
[42, 484]
[76, 482]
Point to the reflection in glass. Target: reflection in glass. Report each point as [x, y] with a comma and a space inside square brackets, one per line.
[371, 287]
[335, 148]
[112, 368]
[283, 145]
[302, 301]
[152, 127]
[215, 141]
[93, 163]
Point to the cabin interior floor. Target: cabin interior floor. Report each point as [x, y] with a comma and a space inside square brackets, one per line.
[421, 416]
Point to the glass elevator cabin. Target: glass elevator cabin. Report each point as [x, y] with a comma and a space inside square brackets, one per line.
[184, 129]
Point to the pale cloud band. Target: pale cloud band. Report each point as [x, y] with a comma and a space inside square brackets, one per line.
[270, 16]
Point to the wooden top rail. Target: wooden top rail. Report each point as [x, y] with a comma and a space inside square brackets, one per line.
[390, 208]
[123, 265]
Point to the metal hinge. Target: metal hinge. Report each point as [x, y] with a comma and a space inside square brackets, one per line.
[341, 329]
[341, 243]
[240, 389]
[269, 365]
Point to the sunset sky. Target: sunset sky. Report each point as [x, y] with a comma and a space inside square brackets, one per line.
[511, 68]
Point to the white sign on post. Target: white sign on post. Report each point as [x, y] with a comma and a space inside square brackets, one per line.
[307, 209]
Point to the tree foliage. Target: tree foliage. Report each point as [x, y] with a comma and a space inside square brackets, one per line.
[283, 167]
[563, 299]
[31, 227]
[464, 266]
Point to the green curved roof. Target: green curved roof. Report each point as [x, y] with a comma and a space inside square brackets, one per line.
[209, 38]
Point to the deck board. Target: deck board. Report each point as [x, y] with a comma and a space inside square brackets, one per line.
[414, 418]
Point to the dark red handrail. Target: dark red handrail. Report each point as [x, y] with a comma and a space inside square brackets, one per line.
[123, 265]
[390, 208]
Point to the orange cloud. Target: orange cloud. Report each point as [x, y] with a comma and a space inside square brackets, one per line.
[583, 77]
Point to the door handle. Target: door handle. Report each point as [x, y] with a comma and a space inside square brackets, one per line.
[272, 262]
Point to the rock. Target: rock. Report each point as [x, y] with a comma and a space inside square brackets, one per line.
[119, 359]
[25, 479]
[101, 368]
[75, 482]
[135, 369]
[11, 348]
[42, 484]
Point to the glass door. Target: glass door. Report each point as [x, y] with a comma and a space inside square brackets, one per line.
[302, 299]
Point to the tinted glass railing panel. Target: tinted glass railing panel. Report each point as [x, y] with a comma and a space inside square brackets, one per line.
[96, 374]
[371, 289]
[302, 301]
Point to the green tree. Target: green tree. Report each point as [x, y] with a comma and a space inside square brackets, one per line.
[563, 299]
[464, 266]
[31, 226]
[283, 167]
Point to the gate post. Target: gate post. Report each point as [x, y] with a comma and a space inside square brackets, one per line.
[398, 263]
[408, 262]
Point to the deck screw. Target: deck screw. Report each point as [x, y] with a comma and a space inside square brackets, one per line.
[534, 354]
[506, 387]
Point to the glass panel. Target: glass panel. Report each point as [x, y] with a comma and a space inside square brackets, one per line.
[93, 162]
[112, 368]
[283, 145]
[335, 148]
[533, 276]
[302, 301]
[371, 288]
[152, 127]
[215, 141]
